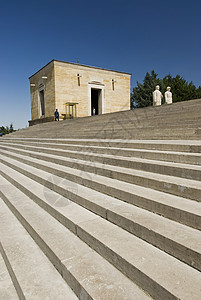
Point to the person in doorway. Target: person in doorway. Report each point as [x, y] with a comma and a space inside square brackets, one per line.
[56, 115]
[93, 111]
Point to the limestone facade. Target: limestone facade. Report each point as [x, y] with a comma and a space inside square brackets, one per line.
[60, 82]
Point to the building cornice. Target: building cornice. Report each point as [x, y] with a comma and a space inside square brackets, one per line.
[75, 64]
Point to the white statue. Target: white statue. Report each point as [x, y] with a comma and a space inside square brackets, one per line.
[157, 96]
[168, 96]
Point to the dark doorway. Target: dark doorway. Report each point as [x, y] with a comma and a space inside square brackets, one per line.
[95, 98]
[42, 102]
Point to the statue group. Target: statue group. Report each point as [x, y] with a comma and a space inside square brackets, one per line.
[157, 96]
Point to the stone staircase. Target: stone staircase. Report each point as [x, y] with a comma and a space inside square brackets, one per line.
[94, 218]
[176, 121]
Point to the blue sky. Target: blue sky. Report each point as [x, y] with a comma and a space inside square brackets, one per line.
[124, 35]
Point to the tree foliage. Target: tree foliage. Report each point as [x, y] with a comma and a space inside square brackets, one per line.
[180, 88]
[6, 130]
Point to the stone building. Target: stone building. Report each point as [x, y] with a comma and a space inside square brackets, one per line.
[77, 91]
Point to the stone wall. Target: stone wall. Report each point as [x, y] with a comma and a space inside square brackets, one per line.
[67, 88]
[48, 85]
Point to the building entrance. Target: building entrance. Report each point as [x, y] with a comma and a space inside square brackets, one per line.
[96, 101]
[42, 102]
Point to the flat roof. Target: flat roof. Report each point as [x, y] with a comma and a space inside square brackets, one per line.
[76, 64]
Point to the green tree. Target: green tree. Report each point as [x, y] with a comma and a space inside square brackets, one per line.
[198, 92]
[180, 88]
[6, 130]
[3, 130]
[142, 94]
[11, 128]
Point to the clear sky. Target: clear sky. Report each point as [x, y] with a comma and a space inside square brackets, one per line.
[134, 36]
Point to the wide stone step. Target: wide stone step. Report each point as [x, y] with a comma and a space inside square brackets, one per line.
[168, 145]
[176, 208]
[173, 238]
[101, 131]
[33, 275]
[131, 128]
[128, 131]
[173, 156]
[166, 168]
[155, 121]
[136, 128]
[134, 119]
[170, 184]
[190, 134]
[134, 123]
[88, 273]
[7, 288]
[159, 272]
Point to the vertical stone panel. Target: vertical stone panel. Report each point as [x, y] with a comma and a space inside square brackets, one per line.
[43, 79]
